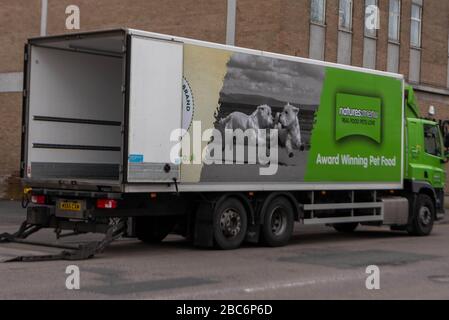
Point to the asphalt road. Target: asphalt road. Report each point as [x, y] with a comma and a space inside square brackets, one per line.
[318, 264]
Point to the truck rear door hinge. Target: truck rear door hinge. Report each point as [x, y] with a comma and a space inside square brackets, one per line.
[25, 93]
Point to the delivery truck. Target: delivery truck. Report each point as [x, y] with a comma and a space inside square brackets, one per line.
[134, 133]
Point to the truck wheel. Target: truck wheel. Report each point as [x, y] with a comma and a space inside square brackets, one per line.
[346, 227]
[230, 224]
[278, 223]
[154, 229]
[423, 216]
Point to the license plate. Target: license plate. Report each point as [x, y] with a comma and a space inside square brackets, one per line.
[70, 206]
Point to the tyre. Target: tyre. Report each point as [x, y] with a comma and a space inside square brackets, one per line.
[346, 227]
[154, 229]
[423, 216]
[278, 223]
[229, 224]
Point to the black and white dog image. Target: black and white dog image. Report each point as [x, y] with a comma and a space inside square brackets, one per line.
[289, 130]
[261, 118]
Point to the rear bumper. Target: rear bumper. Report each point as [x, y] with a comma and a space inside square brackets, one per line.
[74, 186]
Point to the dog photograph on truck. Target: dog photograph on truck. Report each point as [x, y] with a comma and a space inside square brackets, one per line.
[271, 94]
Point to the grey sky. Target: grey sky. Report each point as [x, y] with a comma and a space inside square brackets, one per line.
[282, 80]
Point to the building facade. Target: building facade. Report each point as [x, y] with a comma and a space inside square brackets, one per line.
[405, 36]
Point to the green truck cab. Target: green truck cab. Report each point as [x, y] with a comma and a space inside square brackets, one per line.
[425, 156]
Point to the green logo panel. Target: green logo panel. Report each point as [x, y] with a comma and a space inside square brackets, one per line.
[358, 115]
[357, 131]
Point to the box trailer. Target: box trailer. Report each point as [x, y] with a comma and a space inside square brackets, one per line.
[219, 143]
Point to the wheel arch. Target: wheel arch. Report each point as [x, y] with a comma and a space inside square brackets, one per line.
[424, 187]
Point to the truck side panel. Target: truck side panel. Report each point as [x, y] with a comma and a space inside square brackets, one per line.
[343, 127]
[154, 109]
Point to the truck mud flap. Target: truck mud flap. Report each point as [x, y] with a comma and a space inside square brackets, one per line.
[204, 231]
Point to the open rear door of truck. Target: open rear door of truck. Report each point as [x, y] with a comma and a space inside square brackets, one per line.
[154, 108]
[74, 110]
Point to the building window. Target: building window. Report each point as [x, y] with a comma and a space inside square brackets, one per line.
[345, 15]
[371, 18]
[416, 25]
[318, 11]
[394, 24]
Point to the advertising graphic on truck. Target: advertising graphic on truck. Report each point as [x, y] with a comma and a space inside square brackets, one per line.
[332, 125]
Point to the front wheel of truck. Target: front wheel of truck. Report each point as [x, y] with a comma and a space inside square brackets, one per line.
[423, 216]
[154, 229]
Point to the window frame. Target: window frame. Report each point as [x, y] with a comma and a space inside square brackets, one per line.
[351, 11]
[323, 15]
[438, 140]
[398, 21]
[412, 19]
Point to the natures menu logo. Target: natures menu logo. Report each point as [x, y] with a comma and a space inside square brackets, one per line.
[358, 116]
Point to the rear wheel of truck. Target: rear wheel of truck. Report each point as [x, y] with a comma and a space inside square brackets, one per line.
[230, 224]
[154, 229]
[278, 223]
[423, 216]
[346, 227]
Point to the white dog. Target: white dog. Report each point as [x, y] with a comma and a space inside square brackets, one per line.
[259, 119]
[289, 130]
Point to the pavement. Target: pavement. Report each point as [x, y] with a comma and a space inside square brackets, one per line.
[319, 263]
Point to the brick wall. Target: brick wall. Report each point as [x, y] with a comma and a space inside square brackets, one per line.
[358, 30]
[382, 36]
[274, 25]
[434, 43]
[200, 19]
[258, 25]
[330, 49]
[19, 20]
[10, 124]
[294, 30]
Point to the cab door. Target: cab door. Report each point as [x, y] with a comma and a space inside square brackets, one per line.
[425, 152]
[433, 157]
